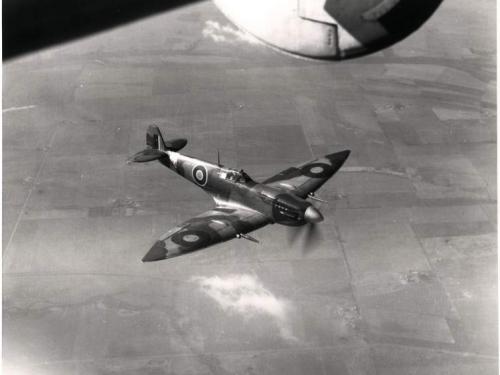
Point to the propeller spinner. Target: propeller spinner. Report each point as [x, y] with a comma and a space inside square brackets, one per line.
[312, 215]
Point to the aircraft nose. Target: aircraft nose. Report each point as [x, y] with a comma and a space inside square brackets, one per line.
[312, 215]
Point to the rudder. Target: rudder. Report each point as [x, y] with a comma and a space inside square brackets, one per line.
[154, 138]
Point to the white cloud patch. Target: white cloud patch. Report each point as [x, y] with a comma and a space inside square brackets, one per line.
[226, 34]
[244, 294]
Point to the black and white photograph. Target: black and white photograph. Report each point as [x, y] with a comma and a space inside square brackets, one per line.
[249, 187]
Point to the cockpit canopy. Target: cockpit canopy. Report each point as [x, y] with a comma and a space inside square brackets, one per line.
[235, 175]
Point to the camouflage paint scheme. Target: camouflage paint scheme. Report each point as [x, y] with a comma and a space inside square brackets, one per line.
[242, 204]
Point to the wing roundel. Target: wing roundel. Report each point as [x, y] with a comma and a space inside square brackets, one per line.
[214, 226]
[308, 177]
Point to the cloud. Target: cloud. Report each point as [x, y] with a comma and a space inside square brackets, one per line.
[244, 294]
[226, 34]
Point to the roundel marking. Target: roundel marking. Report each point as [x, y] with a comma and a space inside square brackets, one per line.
[191, 239]
[318, 170]
[200, 175]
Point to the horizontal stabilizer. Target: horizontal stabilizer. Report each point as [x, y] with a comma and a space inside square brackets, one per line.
[147, 155]
[176, 144]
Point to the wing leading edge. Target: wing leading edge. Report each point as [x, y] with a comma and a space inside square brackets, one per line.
[308, 177]
[214, 226]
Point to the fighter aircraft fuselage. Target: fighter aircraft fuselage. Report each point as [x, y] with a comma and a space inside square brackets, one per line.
[230, 188]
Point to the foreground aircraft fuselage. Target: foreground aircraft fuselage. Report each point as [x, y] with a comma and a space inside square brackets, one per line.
[242, 205]
[325, 29]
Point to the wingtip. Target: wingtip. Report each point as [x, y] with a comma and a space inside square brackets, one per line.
[338, 158]
[157, 252]
[343, 154]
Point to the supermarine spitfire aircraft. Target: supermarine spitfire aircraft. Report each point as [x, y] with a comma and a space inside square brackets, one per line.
[242, 205]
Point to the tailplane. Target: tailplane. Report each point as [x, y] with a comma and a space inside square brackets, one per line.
[157, 146]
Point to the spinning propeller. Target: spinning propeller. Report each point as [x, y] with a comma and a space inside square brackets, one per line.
[309, 231]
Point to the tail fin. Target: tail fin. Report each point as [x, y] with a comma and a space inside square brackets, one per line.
[155, 141]
[157, 147]
[154, 138]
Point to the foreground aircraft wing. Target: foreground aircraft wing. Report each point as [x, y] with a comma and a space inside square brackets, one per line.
[217, 225]
[308, 177]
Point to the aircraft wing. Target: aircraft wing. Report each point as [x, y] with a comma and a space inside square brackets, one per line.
[308, 177]
[214, 226]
